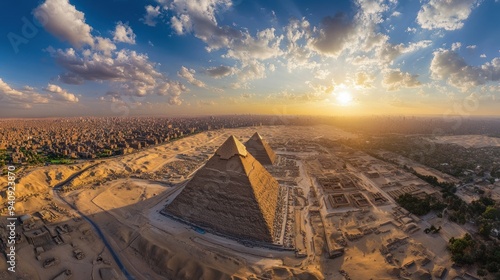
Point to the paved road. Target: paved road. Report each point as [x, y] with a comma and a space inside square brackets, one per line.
[97, 229]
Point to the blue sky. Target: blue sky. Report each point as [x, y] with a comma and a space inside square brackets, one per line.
[164, 57]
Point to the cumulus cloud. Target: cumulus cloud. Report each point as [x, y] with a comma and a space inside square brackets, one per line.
[98, 59]
[264, 45]
[456, 46]
[60, 94]
[27, 96]
[395, 79]
[124, 33]
[448, 65]
[387, 52]
[334, 34]
[5, 89]
[319, 91]
[445, 14]
[152, 13]
[64, 21]
[364, 80]
[411, 30]
[104, 45]
[297, 53]
[219, 71]
[371, 10]
[251, 71]
[188, 74]
[396, 14]
[133, 73]
[321, 74]
[198, 17]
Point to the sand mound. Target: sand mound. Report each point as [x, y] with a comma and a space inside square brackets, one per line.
[172, 264]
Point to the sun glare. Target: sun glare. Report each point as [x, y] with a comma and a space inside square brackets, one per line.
[344, 98]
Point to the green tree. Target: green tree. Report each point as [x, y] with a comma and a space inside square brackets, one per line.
[491, 213]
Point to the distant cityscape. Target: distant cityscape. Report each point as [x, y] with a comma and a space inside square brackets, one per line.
[62, 140]
[59, 140]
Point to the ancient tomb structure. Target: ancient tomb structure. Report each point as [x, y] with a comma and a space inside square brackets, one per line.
[232, 194]
[260, 149]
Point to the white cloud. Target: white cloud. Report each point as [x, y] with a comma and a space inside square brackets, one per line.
[61, 94]
[448, 65]
[179, 24]
[388, 52]
[5, 89]
[124, 33]
[198, 17]
[396, 14]
[320, 91]
[411, 30]
[152, 13]
[364, 80]
[322, 74]
[188, 74]
[251, 71]
[264, 45]
[456, 46]
[27, 96]
[395, 79]
[220, 71]
[297, 54]
[371, 10]
[471, 47]
[104, 45]
[64, 21]
[131, 72]
[445, 14]
[483, 55]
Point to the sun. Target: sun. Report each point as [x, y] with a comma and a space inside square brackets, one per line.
[344, 98]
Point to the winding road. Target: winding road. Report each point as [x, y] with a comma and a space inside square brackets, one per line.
[56, 190]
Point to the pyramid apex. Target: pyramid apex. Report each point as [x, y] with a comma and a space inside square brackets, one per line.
[259, 149]
[231, 147]
[256, 136]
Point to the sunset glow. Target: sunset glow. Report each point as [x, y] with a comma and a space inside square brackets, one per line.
[344, 98]
[225, 57]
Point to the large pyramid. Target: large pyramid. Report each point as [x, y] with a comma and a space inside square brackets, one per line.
[260, 149]
[232, 194]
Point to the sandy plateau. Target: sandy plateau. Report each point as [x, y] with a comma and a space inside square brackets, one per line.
[341, 221]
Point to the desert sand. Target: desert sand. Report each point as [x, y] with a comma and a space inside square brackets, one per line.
[123, 197]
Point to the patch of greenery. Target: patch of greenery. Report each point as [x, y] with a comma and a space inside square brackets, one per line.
[419, 206]
[467, 251]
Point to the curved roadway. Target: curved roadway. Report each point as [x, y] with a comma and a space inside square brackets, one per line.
[94, 225]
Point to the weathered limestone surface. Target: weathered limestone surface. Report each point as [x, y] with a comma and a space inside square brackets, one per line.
[232, 194]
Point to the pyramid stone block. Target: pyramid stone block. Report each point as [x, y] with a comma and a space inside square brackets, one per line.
[232, 194]
[260, 149]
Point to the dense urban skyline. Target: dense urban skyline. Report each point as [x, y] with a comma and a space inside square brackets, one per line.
[76, 58]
